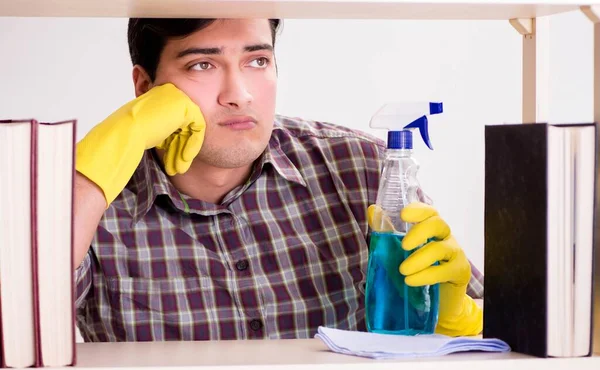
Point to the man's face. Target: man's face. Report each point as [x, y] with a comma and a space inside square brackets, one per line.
[228, 70]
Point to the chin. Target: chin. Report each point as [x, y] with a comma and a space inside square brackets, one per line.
[232, 157]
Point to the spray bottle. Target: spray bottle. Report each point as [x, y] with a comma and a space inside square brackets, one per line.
[392, 307]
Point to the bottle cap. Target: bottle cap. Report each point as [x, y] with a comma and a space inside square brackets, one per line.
[400, 139]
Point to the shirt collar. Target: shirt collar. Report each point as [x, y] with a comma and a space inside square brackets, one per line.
[149, 180]
[275, 156]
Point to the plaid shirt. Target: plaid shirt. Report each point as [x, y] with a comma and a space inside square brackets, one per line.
[281, 255]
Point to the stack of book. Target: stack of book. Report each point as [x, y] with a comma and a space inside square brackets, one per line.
[37, 318]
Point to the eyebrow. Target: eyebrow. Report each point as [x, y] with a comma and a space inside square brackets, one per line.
[217, 51]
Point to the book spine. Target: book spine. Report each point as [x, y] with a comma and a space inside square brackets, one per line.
[515, 224]
[34, 243]
[595, 332]
[74, 359]
[2, 364]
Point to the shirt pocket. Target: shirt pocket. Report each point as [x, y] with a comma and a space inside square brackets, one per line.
[161, 309]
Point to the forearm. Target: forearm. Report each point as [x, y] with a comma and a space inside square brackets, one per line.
[89, 207]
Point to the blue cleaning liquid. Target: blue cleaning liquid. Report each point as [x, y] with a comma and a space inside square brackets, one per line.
[392, 307]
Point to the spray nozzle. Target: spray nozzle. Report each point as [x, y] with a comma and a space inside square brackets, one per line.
[394, 117]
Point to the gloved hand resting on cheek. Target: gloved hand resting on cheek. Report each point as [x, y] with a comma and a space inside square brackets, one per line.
[164, 117]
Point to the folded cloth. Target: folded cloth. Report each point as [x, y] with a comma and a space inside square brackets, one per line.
[388, 346]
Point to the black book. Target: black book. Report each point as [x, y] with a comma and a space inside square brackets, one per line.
[541, 251]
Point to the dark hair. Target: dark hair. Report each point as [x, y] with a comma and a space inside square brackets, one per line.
[147, 37]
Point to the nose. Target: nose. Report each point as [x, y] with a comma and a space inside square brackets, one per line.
[234, 91]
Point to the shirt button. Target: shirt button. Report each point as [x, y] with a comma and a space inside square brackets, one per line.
[241, 265]
[255, 324]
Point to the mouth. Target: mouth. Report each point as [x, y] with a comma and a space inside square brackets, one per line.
[239, 123]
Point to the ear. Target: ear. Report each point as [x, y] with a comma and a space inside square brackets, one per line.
[141, 80]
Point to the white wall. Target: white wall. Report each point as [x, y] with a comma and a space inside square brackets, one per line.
[334, 70]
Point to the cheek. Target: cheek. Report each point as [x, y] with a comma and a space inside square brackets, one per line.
[202, 96]
[265, 92]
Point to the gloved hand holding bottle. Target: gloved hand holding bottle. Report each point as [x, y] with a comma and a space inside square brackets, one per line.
[164, 117]
[439, 261]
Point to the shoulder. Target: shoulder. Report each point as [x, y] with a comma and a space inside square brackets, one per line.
[334, 139]
[333, 156]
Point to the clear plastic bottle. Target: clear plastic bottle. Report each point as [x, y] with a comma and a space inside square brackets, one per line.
[392, 307]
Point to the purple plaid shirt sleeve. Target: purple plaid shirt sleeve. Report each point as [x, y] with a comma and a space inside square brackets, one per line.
[83, 280]
[281, 255]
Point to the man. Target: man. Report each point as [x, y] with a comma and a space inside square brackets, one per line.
[209, 217]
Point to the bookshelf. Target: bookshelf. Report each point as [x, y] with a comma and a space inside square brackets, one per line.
[375, 9]
[294, 354]
[528, 18]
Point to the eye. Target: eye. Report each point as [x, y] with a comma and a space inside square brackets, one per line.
[261, 62]
[201, 66]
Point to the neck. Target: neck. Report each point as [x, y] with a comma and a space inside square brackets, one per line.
[208, 183]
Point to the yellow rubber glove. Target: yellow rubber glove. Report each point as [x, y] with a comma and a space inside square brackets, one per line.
[459, 315]
[164, 117]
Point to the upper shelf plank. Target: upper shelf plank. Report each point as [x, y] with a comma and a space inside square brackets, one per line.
[348, 9]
